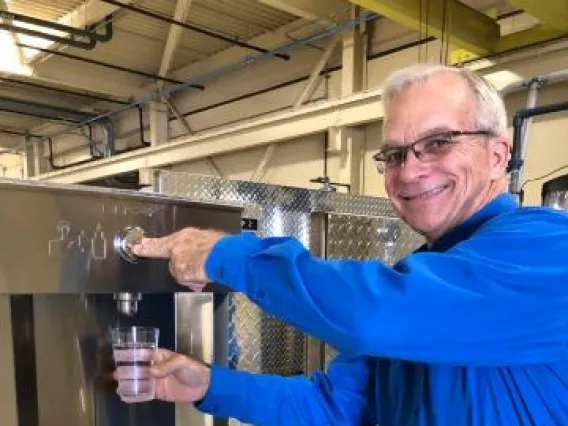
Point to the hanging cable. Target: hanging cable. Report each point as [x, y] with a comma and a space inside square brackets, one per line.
[565, 166]
[448, 31]
[442, 40]
[420, 31]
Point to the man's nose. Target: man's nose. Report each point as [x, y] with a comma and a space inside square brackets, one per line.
[412, 168]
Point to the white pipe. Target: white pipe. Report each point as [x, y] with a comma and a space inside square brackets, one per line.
[555, 77]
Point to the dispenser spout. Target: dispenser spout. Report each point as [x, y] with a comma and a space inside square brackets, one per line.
[127, 303]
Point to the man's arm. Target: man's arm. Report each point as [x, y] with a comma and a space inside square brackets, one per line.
[340, 397]
[499, 297]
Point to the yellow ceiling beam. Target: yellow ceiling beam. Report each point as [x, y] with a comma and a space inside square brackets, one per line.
[533, 35]
[466, 28]
[552, 13]
[537, 34]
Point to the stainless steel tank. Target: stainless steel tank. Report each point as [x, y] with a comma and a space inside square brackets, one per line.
[555, 193]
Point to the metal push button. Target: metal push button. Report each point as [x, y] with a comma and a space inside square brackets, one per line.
[124, 240]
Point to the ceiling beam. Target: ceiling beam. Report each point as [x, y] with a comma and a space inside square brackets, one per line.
[461, 25]
[312, 10]
[552, 13]
[349, 111]
[174, 36]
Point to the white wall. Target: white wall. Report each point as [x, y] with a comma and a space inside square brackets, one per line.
[293, 163]
[11, 166]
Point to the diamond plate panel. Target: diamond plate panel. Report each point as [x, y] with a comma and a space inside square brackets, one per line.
[366, 238]
[358, 227]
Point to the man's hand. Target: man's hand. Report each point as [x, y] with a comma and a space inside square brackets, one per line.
[178, 377]
[187, 250]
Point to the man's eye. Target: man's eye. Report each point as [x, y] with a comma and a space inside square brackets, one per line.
[394, 157]
[436, 144]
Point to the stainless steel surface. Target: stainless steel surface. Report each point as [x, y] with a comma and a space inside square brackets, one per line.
[62, 286]
[366, 238]
[125, 239]
[330, 224]
[73, 360]
[195, 326]
[554, 192]
[557, 200]
[8, 406]
[68, 233]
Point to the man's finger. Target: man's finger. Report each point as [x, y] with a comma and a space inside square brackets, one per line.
[154, 247]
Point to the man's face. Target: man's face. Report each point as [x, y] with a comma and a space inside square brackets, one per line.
[435, 195]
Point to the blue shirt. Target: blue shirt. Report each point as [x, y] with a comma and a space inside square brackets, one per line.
[471, 331]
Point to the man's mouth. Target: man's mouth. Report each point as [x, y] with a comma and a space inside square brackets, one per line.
[424, 195]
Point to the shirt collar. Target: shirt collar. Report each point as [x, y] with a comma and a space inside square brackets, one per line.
[501, 204]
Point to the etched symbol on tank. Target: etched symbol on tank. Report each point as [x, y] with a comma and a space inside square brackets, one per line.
[55, 246]
[98, 244]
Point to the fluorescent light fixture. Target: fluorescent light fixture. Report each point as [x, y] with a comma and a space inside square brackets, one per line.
[9, 58]
[501, 79]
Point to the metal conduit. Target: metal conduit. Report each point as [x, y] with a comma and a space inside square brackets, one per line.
[157, 95]
[107, 65]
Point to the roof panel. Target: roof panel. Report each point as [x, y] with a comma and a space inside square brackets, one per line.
[51, 10]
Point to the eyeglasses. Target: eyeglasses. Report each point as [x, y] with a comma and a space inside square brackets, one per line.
[427, 148]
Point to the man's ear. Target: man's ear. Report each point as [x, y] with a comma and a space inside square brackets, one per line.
[500, 154]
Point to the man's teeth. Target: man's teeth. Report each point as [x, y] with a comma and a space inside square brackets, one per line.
[426, 194]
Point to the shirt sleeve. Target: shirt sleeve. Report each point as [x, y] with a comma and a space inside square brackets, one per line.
[499, 297]
[337, 398]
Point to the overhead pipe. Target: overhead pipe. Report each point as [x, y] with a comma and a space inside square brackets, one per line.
[42, 110]
[197, 29]
[523, 120]
[39, 110]
[90, 33]
[517, 160]
[542, 80]
[64, 91]
[157, 94]
[107, 65]
[71, 41]
[108, 33]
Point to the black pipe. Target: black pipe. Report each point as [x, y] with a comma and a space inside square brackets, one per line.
[299, 79]
[55, 166]
[324, 72]
[11, 16]
[30, 114]
[325, 155]
[107, 35]
[89, 32]
[68, 92]
[516, 161]
[192, 27]
[141, 126]
[107, 65]
[71, 41]
[14, 133]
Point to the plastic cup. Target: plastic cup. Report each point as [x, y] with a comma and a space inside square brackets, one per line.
[133, 350]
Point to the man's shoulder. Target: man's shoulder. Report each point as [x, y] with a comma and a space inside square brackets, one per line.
[529, 219]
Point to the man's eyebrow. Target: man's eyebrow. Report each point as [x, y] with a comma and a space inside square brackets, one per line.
[390, 144]
[434, 131]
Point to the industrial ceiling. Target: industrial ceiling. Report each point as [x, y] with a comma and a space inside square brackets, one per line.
[65, 60]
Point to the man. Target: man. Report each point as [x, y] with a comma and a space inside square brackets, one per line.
[471, 329]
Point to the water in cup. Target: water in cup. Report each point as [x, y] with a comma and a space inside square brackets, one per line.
[133, 349]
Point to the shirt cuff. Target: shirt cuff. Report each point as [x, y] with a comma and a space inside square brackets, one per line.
[226, 393]
[226, 260]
